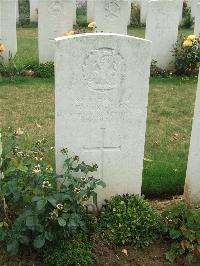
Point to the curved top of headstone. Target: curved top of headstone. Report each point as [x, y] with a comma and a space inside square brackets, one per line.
[102, 35]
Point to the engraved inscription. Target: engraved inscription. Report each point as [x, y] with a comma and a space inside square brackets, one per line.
[102, 149]
[112, 8]
[54, 10]
[104, 70]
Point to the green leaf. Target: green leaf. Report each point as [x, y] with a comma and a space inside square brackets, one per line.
[22, 168]
[41, 204]
[101, 183]
[13, 247]
[61, 221]
[49, 236]
[39, 241]
[23, 239]
[31, 221]
[94, 196]
[51, 200]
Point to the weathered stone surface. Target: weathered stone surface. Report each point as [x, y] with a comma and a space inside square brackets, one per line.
[34, 10]
[8, 34]
[90, 10]
[54, 18]
[192, 182]
[162, 29]
[112, 15]
[102, 83]
[197, 20]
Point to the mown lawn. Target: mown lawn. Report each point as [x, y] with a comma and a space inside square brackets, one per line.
[29, 103]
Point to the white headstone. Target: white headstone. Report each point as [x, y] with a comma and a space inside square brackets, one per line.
[8, 34]
[17, 12]
[34, 10]
[54, 18]
[180, 9]
[144, 4]
[102, 83]
[192, 182]
[90, 10]
[197, 20]
[112, 15]
[74, 18]
[193, 5]
[143, 10]
[162, 29]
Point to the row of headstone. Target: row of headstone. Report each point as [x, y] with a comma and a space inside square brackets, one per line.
[56, 17]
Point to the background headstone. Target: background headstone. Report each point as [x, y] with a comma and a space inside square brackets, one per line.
[17, 12]
[197, 20]
[162, 29]
[112, 15]
[192, 182]
[193, 5]
[90, 10]
[54, 18]
[74, 17]
[101, 106]
[8, 34]
[34, 10]
[143, 10]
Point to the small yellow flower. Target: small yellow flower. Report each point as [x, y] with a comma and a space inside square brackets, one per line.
[187, 43]
[191, 38]
[53, 215]
[114, 210]
[77, 190]
[92, 25]
[2, 48]
[46, 184]
[19, 132]
[59, 206]
[83, 178]
[68, 33]
[37, 170]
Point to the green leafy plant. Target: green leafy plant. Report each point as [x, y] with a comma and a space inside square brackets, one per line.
[129, 219]
[187, 19]
[187, 55]
[159, 72]
[77, 251]
[9, 68]
[45, 70]
[34, 209]
[182, 227]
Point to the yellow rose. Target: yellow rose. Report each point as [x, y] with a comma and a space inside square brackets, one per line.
[68, 33]
[92, 25]
[187, 43]
[191, 38]
[2, 48]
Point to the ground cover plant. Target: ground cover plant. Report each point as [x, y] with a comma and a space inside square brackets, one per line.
[182, 226]
[129, 219]
[35, 208]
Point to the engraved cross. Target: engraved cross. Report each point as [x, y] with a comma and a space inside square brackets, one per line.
[102, 149]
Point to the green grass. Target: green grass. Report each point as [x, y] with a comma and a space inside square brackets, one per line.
[29, 102]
